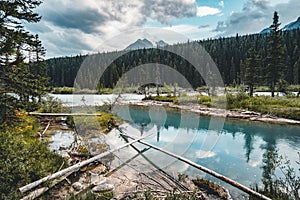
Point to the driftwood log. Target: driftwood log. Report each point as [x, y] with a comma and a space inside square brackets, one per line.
[63, 114]
[75, 167]
[40, 191]
[46, 128]
[204, 169]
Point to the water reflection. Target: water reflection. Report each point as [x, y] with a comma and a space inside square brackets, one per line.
[239, 153]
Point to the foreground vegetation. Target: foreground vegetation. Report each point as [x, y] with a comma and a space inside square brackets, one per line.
[23, 158]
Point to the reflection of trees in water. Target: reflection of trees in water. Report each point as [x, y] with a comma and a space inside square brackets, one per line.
[248, 145]
[270, 158]
[270, 133]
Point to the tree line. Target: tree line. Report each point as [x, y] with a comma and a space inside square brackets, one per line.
[255, 60]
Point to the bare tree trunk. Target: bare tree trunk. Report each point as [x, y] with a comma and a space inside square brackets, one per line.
[206, 170]
[74, 167]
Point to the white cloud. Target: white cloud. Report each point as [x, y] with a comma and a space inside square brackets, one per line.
[206, 10]
[89, 23]
[205, 154]
[257, 15]
[221, 3]
[193, 32]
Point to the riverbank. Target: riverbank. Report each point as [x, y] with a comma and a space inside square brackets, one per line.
[234, 114]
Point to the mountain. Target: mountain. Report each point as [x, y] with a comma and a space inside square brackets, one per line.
[288, 27]
[140, 44]
[161, 43]
[265, 31]
[144, 43]
[292, 25]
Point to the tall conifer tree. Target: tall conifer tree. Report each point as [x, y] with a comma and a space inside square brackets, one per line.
[275, 58]
[17, 74]
[252, 69]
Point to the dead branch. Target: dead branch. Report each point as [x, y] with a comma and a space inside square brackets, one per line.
[75, 167]
[206, 170]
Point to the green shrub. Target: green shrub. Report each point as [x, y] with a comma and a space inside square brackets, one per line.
[23, 159]
[84, 124]
[62, 90]
[50, 105]
[168, 98]
[287, 107]
[205, 100]
[105, 91]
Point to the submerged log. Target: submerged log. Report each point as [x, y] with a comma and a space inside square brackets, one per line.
[76, 166]
[204, 169]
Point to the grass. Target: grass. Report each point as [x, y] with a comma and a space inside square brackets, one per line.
[62, 90]
[71, 90]
[167, 98]
[89, 124]
[286, 107]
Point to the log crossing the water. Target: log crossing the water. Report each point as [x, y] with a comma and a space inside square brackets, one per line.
[202, 168]
[62, 114]
[76, 166]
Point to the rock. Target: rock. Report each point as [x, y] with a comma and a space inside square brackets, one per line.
[100, 169]
[77, 186]
[105, 187]
[97, 179]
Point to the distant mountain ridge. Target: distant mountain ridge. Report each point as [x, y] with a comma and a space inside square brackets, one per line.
[292, 25]
[288, 27]
[144, 43]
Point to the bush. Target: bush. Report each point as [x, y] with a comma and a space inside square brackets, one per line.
[287, 107]
[162, 98]
[205, 100]
[51, 105]
[23, 159]
[62, 90]
[85, 124]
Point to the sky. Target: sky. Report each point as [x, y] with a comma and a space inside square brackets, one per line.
[73, 27]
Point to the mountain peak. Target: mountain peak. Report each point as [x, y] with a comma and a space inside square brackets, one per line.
[288, 27]
[265, 31]
[161, 43]
[292, 25]
[145, 43]
[140, 44]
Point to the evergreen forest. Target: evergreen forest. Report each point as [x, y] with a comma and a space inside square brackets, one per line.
[232, 56]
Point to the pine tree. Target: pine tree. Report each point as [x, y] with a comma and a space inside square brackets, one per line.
[252, 69]
[16, 75]
[275, 58]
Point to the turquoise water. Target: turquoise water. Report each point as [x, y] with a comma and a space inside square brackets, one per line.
[236, 150]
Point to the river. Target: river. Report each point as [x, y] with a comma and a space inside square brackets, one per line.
[238, 149]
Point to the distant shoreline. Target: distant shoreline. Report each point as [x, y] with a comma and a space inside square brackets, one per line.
[237, 114]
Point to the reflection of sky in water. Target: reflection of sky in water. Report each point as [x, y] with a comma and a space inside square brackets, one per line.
[61, 139]
[239, 150]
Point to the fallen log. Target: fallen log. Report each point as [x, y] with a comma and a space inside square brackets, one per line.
[63, 114]
[75, 167]
[178, 184]
[204, 169]
[40, 191]
[46, 129]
